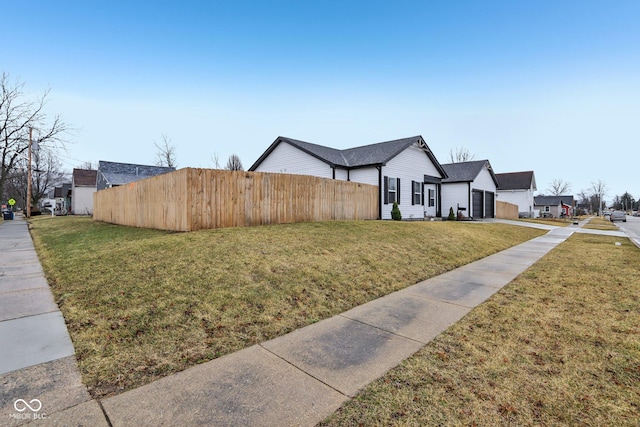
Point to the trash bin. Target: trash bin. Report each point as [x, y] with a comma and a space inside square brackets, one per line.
[7, 215]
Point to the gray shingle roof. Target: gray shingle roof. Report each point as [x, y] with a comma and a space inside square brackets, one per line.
[366, 155]
[466, 171]
[124, 173]
[553, 200]
[516, 180]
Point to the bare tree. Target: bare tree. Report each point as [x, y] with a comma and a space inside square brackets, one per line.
[599, 189]
[461, 155]
[17, 115]
[46, 175]
[166, 154]
[234, 163]
[559, 187]
[87, 166]
[215, 159]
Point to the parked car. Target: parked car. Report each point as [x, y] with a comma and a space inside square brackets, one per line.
[618, 216]
[606, 214]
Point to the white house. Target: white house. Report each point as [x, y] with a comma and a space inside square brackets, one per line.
[518, 188]
[470, 188]
[83, 185]
[405, 170]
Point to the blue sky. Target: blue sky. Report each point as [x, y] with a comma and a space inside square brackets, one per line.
[549, 86]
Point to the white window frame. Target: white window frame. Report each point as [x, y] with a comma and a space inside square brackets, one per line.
[392, 182]
[417, 193]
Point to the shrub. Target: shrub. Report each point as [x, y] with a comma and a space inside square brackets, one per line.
[395, 212]
[452, 216]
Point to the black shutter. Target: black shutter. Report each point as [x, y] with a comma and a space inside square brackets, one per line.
[422, 193]
[398, 190]
[413, 193]
[386, 190]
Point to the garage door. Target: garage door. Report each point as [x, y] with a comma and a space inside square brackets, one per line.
[477, 204]
[489, 204]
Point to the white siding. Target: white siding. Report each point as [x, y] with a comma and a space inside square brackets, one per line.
[484, 181]
[286, 158]
[342, 174]
[522, 198]
[410, 165]
[82, 200]
[364, 175]
[455, 195]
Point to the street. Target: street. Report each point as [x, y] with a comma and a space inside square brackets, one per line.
[631, 227]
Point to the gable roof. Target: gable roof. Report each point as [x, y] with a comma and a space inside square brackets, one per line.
[124, 173]
[85, 177]
[553, 200]
[63, 191]
[467, 171]
[516, 181]
[366, 155]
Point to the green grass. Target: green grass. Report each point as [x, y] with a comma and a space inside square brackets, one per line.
[560, 345]
[141, 304]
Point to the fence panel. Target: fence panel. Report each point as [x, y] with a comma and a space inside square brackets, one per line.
[196, 199]
[506, 210]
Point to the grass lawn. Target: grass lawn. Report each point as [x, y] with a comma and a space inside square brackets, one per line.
[558, 222]
[141, 304]
[560, 345]
[600, 223]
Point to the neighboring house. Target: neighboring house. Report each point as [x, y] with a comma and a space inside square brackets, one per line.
[470, 188]
[405, 170]
[111, 174]
[518, 188]
[554, 206]
[61, 197]
[583, 209]
[83, 185]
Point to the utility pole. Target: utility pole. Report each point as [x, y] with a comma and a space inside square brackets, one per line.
[29, 176]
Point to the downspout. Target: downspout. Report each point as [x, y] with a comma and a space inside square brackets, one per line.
[469, 206]
[379, 192]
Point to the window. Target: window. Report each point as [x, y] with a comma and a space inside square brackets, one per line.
[432, 197]
[417, 193]
[391, 190]
[547, 209]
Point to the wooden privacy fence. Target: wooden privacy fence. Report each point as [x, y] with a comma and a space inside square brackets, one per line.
[506, 210]
[196, 199]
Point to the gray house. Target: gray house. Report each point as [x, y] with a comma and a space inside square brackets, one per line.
[554, 206]
[470, 187]
[112, 174]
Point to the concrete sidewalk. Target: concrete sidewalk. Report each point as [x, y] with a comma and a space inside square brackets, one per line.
[36, 355]
[296, 379]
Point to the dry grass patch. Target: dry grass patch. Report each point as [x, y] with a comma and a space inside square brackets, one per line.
[600, 223]
[560, 345]
[141, 304]
[558, 222]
